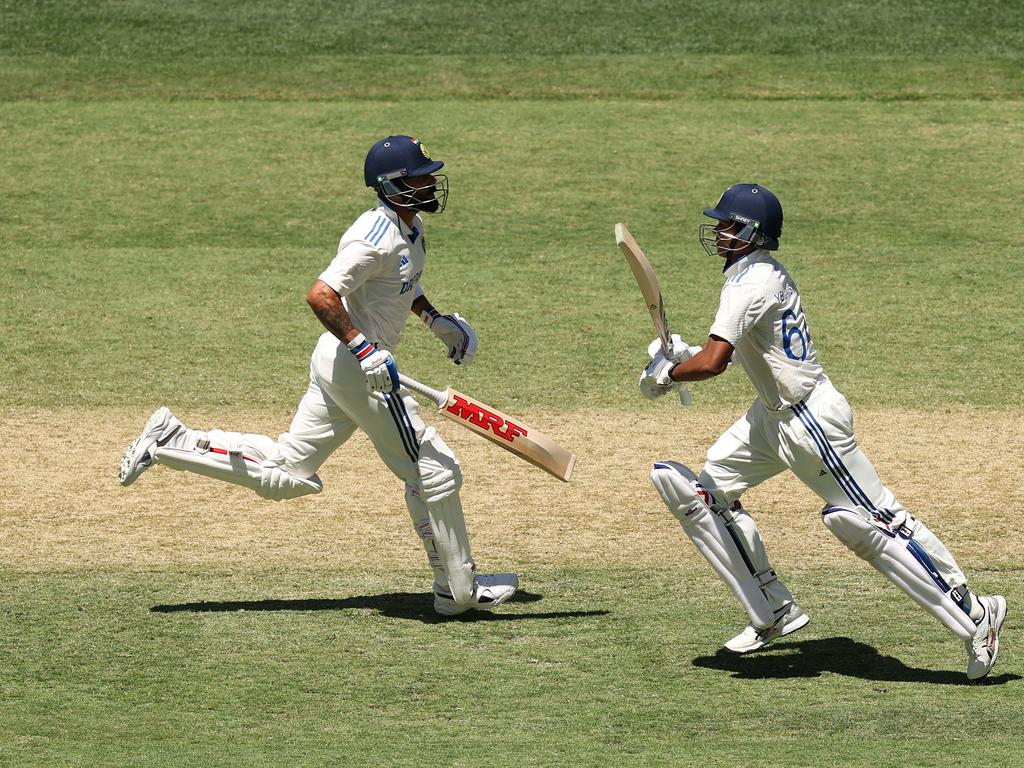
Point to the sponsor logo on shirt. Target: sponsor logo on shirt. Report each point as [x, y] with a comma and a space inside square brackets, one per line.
[408, 285]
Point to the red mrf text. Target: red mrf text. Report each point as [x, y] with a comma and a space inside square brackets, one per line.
[481, 417]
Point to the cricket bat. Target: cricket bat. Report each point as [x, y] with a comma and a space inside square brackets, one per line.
[511, 434]
[651, 290]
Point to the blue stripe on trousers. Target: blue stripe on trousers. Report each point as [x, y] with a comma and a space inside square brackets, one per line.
[835, 465]
[408, 442]
[408, 423]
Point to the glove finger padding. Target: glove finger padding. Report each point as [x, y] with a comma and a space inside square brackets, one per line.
[654, 380]
[678, 350]
[457, 335]
[380, 371]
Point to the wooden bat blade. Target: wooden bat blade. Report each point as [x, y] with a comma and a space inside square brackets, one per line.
[645, 279]
[511, 434]
[651, 291]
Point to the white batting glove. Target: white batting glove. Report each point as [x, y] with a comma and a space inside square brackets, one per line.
[678, 351]
[456, 334]
[654, 380]
[378, 365]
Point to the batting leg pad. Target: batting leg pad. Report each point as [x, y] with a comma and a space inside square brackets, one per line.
[251, 461]
[440, 480]
[897, 554]
[734, 549]
[425, 530]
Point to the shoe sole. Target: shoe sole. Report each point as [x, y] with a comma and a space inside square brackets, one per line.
[457, 610]
[789, 629]
[129, 473]
[998, 625]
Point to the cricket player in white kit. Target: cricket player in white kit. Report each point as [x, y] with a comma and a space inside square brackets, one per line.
[363, 299]
[799, 421]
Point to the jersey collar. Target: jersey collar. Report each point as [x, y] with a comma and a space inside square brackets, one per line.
[395, 219]
[751, 258]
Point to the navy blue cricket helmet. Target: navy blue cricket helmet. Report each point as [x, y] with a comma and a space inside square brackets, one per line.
[396, 157]
[393, 160]
[753, 206]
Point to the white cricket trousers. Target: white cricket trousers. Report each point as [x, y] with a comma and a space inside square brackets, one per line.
[815, 440]
[336, 403]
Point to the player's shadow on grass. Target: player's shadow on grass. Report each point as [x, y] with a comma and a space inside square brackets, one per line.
[839, 655]
[417, 606]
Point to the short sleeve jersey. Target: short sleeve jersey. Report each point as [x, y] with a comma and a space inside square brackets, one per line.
[377, 273]
[761, 316]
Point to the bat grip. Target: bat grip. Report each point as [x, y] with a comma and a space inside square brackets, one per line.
[684, 395]
[440, 398]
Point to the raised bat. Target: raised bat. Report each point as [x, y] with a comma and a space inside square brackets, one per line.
[651, 290]
[511, 434]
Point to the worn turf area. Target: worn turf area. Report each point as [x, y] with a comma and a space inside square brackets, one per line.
[65, 509]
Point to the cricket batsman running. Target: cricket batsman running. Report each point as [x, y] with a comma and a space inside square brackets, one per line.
[799, 421]
[363, 299]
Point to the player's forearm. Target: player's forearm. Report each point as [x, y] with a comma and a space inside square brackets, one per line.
[700, 367]
[421, 305]
[327, 306]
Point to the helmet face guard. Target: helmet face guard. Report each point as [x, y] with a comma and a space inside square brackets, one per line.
[431, 198]
[709, 237]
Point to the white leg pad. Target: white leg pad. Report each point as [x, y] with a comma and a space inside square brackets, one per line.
[440, 481]
[715, 540]
[425, 530]
[246, 460]
[896, 554]
[743, 526]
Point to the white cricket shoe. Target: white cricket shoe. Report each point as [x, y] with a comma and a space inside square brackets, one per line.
[488, 592]
[139, 455]
[983, 648]
[754, 639]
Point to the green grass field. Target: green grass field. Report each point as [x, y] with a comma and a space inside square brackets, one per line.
[176, 175]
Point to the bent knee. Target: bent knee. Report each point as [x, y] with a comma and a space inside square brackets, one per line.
[678, 487]
[277, 484]
[854, 527]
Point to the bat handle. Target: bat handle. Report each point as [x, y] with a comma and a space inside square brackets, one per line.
[684, 395]
[440, 398]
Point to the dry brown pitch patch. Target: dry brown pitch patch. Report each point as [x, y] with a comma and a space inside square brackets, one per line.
[62, 505]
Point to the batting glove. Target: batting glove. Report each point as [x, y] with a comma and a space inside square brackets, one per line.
[678, 350]
[655, 381]
[456, 334]
[378, 365]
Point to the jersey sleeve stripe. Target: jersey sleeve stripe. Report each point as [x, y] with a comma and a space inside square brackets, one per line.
[380, 234]
[375, 228]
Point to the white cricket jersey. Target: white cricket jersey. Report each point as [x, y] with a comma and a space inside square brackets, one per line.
[760, 315]
[377, 273]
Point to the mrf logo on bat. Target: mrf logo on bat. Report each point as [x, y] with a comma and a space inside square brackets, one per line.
[485, 419]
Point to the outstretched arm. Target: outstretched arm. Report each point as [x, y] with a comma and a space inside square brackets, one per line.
[712, 360]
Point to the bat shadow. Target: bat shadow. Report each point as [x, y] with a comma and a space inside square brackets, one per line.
[839, 655]
[413, 606]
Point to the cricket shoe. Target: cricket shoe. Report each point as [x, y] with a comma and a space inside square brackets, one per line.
[983, 648]
[488, 592]
[754, 639]
[160, 428]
